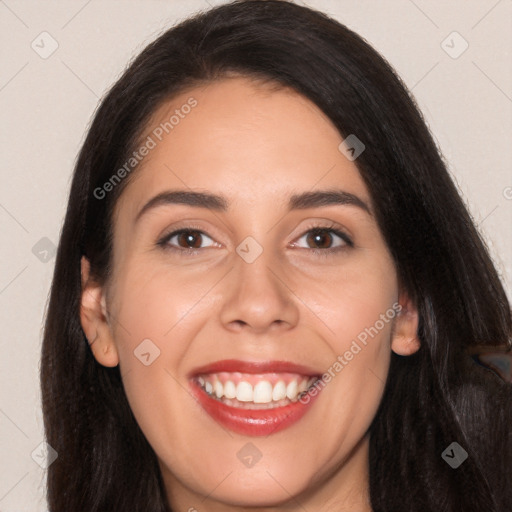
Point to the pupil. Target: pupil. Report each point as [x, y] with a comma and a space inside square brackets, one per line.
[318, 235]
[189, 237]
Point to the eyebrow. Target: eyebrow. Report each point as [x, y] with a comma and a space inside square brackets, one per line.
[219, 203]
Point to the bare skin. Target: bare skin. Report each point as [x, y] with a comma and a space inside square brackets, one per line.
[256, 148]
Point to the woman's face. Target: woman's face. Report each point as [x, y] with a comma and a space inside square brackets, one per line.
[251, 282]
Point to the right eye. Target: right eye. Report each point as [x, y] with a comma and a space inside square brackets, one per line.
[187, 241]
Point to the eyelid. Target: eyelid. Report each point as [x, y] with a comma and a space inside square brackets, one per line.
[327, 226]
[187, 226]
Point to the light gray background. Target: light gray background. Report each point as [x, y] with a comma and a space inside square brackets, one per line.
[46, 105]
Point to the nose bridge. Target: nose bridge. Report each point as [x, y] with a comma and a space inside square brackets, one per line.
[258, 294]
[257, 267]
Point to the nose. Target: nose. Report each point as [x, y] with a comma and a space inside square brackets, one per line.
[258, 296]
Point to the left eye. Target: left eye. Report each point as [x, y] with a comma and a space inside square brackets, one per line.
[318, 236]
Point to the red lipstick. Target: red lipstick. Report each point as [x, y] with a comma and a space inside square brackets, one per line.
[234, 365]
[253, 422]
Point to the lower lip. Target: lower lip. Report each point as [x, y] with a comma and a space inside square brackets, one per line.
[252, 422]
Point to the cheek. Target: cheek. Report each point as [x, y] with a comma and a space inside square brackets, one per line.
[156, 305]
[157, 317]
[356, 301]
[156, 322]
[357, 308]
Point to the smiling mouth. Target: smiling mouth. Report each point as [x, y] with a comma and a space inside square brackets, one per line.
[256, 391]
[255, 398]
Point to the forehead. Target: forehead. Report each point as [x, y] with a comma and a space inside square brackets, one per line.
[245, 140]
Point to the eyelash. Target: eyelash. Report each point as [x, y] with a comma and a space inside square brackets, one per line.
[164, 241]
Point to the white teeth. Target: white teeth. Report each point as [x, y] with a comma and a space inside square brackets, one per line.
[219, 389]
[262, 392]
[302, 386]
[229, 390]
[279, 391]
[244, 392]
[291, 389]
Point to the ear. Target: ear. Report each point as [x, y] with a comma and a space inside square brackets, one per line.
[404, 336]
[94, 319]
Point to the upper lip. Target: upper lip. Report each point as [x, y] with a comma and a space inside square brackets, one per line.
[236, 365]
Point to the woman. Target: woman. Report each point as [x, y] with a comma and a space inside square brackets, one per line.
[203, 350]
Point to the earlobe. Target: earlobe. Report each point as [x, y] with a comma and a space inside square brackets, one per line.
[404, 338]
[94, 319]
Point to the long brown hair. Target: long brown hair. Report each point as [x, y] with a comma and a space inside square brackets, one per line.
[433, 398]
